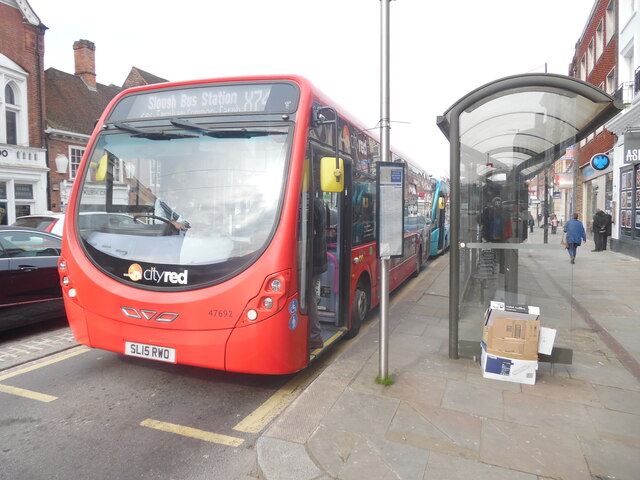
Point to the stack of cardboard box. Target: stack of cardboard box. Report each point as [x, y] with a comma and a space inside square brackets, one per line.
[511, 342]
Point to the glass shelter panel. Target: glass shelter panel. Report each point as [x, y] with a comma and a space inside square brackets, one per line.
[505, 142]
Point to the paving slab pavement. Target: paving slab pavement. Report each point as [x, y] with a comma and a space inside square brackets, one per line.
[441, 419]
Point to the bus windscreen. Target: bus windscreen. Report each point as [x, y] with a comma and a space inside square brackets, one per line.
[183, 210]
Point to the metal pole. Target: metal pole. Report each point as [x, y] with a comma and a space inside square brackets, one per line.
[546, 205]
[454, 235]
[384, 319]
[386, 157]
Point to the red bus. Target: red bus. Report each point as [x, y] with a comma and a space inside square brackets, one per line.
[189, 229]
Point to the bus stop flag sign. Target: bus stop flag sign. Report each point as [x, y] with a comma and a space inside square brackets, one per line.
[390, 181]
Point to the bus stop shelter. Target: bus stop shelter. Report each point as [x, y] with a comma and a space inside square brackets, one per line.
[502, 135]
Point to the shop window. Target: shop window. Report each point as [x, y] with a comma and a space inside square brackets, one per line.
[23, 191]
[22, 210]
[3, 204]
[628, 184]
[23, 194]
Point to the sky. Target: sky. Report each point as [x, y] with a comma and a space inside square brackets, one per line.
[440, 50]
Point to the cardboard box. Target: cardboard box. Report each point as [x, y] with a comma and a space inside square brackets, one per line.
[519, 312]
[508, 369]
[512, 338]
[510, 341]
[512, 331]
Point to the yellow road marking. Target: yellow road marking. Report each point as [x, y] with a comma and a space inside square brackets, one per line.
[192, 432]
[21, 392]
[270, 409]
[43, 364]
[276, 403]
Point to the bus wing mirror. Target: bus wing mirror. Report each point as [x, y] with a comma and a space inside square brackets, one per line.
[331, 174]
[441, 203]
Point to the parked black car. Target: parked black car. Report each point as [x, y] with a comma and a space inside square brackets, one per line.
[29, 284]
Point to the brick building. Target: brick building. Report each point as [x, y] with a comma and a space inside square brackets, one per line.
[46, 117]
[626, 125]
[68, 129]
[23, 159]
[594, 61]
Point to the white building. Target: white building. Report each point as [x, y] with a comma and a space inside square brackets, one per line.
[626, 157]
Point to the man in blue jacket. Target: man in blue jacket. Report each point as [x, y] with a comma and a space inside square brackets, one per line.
[575, 235]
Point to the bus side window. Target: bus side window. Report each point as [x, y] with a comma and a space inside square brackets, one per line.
[364, 214]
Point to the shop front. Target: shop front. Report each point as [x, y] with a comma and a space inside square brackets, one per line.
[23, 182]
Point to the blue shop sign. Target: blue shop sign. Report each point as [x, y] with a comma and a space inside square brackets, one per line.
[600, 161]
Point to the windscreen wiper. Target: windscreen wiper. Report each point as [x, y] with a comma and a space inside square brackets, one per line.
[224, 132]
[149, 134]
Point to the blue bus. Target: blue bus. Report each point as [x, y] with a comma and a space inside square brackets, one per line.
[440, 216]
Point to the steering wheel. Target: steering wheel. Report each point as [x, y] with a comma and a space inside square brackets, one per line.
[156, 217]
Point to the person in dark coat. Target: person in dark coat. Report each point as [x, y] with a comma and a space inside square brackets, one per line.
[599, 230]
[319, 267]
[575, 235]
[607, 232]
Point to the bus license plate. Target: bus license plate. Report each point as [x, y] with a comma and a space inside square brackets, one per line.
[154, 352]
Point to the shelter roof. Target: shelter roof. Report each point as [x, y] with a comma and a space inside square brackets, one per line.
[525, 122]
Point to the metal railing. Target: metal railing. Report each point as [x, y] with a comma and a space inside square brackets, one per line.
[626, 92]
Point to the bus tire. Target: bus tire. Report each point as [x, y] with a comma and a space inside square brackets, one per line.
[359, 309]
[418, 264]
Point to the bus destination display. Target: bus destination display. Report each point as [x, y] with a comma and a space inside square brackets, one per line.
[218, 99]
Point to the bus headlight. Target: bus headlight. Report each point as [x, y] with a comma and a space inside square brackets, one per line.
[72, 292]
[65, 281]
[62, 265]
[271, 299]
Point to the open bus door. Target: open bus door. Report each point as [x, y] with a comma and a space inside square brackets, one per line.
[441, 220]
[331, 289]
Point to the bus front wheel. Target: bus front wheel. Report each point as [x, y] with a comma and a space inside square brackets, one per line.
[418, 268]
[359, 309]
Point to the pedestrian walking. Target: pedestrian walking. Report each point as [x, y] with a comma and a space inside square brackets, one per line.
[532, 222]
[575, 235]
[554, 224]
[599, 226]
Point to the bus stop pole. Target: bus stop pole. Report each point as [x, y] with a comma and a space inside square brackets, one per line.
[386, 157]
[384, 319]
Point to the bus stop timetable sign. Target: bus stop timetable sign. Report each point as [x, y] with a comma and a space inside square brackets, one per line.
[390, 185]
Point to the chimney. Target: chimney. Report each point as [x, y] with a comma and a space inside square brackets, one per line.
[85, 58]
